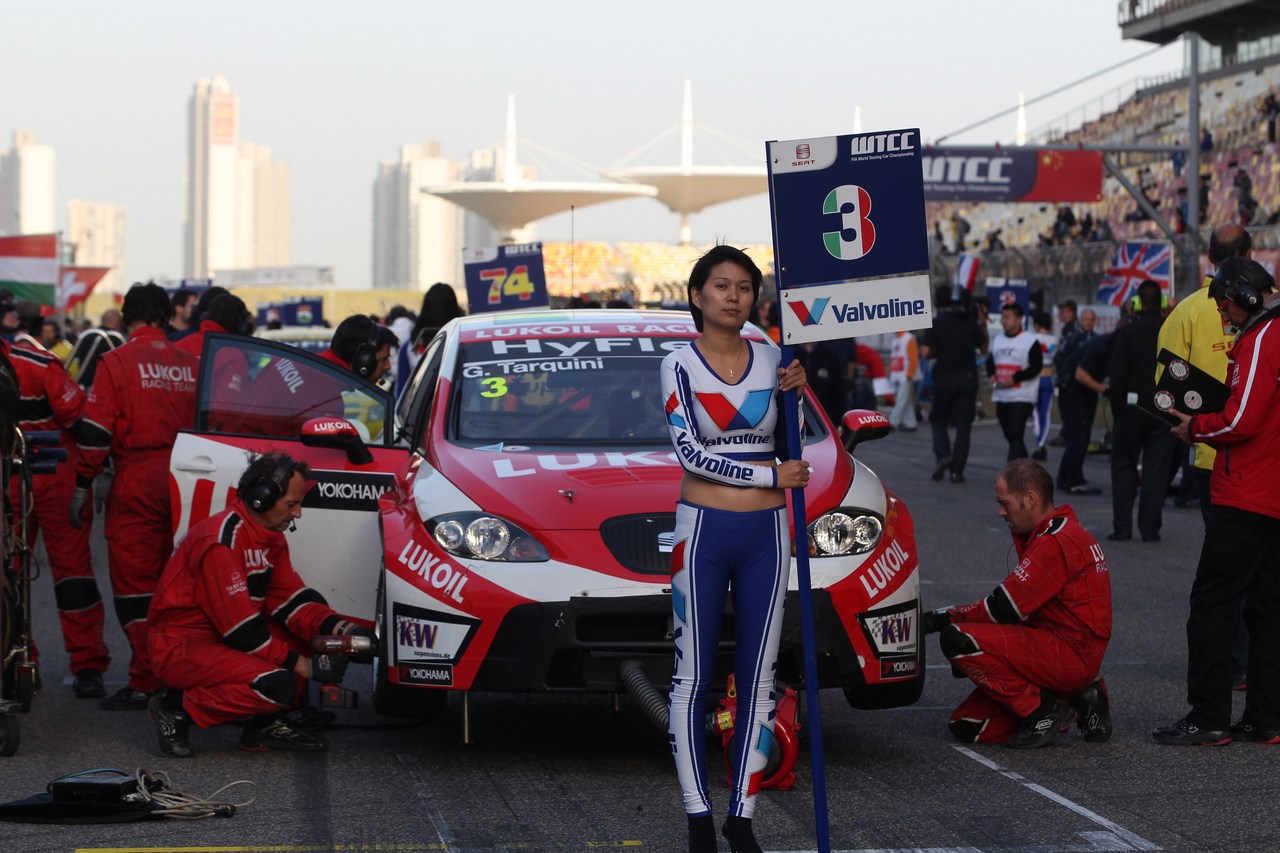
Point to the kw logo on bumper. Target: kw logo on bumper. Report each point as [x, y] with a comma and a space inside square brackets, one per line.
[348, 490]
[428, 636]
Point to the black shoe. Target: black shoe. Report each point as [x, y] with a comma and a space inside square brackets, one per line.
[172, 728]
[1186, 733]
[737, 831]
[275, 733]
[1084, 489]
[88, 684]
[957, 477]
[702, 834]
[310, 719]
[1093, 712]
[125, 699]
[941, 470]
[1043, 725]
[1117, 536]
[1040, 455]
[1243, 730]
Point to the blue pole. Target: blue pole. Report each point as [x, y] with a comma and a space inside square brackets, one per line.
[791, 412]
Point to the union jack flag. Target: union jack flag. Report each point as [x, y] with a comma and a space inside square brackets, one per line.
[1133, 264]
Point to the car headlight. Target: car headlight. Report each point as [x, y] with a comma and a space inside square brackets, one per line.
[844, 531]
[480, 536]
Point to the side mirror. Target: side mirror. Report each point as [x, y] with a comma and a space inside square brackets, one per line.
[340, 434]
[859, 425]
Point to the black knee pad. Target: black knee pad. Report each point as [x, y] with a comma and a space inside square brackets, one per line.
[967, 731]
[279, 686]
[955, 642]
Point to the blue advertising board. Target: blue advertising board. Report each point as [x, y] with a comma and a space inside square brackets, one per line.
[851, 253]
[295, 311]
[503, 277]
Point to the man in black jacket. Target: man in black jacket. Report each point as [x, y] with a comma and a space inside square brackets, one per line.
[954, 343]
[1138, 434]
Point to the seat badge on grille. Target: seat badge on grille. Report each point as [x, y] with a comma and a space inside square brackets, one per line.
[666, 542]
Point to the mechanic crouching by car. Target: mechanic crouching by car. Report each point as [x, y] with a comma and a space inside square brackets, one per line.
[1034, 645]
[231, 622]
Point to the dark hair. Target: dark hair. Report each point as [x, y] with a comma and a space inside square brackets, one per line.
[1229, 241]
[1068, 303]
[262, 466]
[202, 304]
[1024, 475]
[942, 296]
[1014, 307]
[182, 296]
[439, 306]
[1236, 271]
[713, 257]
[1041, 319]
[357, 330]
[1149, 296]
[146, 303]
[396, 312]
[229, 312]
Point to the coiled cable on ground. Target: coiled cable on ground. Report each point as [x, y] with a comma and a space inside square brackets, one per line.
[156, 792]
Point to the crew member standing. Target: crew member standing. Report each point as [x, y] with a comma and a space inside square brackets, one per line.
[1014, 365]
[1138, 435]
[954, 342]
[1033, 647]
[142, 394]
[231, 621]
[51, 400]
[1241, 548]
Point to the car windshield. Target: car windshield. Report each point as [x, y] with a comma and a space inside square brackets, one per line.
[568, 390]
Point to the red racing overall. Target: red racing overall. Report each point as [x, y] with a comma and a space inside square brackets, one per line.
[230, 619]
[142, 394]
[1045, 627]
[51, 400]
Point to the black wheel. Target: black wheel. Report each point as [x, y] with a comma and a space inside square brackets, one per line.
[880, 696]
[8, 735]
[394, 700]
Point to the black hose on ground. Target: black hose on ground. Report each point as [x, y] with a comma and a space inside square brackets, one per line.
[650, 698]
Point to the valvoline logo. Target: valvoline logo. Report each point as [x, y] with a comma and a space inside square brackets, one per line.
[809, 316]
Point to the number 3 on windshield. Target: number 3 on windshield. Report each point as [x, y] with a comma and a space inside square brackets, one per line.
[494, 386]
[516, 284]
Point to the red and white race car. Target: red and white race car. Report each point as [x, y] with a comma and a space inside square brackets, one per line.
[508, 524]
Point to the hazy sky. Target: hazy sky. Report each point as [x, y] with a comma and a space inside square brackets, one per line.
[335, 87]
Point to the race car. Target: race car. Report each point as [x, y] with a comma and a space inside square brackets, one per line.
[512, 530]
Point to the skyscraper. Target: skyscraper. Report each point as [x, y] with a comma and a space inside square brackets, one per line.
[27, 183]
[237, 199]
[417, 238]
[96, 229]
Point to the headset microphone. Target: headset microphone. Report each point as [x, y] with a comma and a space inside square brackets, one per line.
[293, 528]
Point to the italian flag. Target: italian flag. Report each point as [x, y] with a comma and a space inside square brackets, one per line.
[29, 267]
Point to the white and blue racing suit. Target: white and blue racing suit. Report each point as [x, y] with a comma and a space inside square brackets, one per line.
[717, 428]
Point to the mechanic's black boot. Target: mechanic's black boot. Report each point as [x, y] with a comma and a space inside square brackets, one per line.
[702, 834]
[737, 831]
[1093, 712]
[1043, 724]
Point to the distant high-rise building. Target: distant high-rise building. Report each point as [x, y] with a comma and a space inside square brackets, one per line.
[417, 238]
[28, 178]
[237, 199]
[96, 230]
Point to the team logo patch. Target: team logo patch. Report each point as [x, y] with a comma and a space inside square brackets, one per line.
[728, 417]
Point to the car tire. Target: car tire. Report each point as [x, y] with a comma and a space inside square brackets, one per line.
[394, 700]
[878, 697]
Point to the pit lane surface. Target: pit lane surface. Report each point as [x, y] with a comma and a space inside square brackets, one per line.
[576, 773]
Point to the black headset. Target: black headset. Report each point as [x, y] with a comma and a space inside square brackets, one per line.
[262, 494]
[365, 360]
[1245, 295]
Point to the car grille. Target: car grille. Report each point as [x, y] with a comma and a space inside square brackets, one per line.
[641, 543]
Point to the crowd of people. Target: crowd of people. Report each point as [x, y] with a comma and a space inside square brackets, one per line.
[219, 629]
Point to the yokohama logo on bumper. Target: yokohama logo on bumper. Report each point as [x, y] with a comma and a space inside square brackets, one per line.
[426, 673]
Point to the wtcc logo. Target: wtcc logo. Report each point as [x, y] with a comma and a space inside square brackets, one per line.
[810, 316]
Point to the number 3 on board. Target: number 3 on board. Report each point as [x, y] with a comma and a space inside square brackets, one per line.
[516, 284]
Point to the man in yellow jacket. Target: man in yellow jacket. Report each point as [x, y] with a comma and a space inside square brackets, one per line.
[1194, 331]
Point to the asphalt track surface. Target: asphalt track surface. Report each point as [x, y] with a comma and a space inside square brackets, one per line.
[575, 773]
